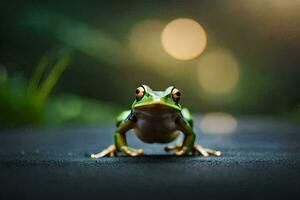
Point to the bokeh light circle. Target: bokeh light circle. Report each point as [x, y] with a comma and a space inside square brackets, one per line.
[144, 42]
[218, 72]
[218, 123]
[183, 39]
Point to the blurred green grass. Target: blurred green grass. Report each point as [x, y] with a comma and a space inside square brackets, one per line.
[27, 103]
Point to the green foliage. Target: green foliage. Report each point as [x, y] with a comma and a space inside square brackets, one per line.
[28, 104]
[23, 104]
[72, 109]
[17, 106]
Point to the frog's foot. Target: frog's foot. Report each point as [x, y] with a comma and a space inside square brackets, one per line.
[198, 149]
[179, 150]
[173, 147]
[109, 151]
[131, 151]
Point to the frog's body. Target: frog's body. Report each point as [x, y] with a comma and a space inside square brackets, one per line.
[165, 129]
[156, 117]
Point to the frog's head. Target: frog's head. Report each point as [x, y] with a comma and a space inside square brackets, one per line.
[145, 97]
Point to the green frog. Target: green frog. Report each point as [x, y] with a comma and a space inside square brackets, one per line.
[156, 117]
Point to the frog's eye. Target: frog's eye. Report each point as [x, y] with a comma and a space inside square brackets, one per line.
[176, 94]
[139, 93]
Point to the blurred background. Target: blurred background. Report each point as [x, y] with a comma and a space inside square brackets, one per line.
[79, 62]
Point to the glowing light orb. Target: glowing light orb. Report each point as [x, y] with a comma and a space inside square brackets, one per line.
[218, 123]
[183, 39]
[218, 72]
[144, 42]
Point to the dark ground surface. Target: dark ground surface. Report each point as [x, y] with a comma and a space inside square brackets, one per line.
[260, 161]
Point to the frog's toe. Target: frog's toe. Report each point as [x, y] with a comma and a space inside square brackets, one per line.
[213, 152]
[198, 149]
[179, 153]
[179, 149]
[172, 147]
[132, 152]
[182, 151]
[111, 151]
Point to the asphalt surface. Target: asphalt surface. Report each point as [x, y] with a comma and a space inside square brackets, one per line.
[260, 161]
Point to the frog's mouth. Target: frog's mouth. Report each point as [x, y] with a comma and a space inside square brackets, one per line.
[160, 107]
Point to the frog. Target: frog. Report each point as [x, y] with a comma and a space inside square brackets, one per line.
[156, 117]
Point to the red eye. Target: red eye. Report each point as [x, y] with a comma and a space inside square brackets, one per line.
[176, 95]
[139, 93]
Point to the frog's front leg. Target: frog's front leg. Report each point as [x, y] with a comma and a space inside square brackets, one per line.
[189, 138]
[123, 125]
[120, 137]
[188, 145]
